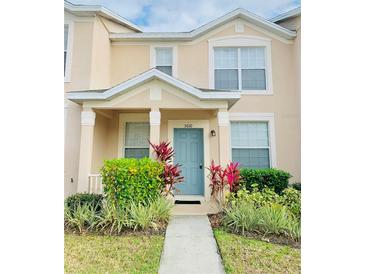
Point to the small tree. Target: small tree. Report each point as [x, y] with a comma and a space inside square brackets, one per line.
[171, 173]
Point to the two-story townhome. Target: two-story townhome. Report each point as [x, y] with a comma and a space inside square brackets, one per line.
[226, 91]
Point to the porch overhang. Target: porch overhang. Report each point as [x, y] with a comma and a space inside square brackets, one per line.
[105, 95]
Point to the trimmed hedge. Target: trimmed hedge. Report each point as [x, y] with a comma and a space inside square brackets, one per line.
[132, 180]
[95, 200]
[275, 179]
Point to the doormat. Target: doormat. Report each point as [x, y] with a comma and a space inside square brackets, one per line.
[180, 202]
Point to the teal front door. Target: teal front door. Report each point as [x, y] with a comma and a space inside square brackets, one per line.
[189, 151]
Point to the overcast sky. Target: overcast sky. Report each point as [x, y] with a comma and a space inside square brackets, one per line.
[185, 15]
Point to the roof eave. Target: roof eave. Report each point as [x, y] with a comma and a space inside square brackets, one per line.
[147, 76]
[102, 11]
[188, 36]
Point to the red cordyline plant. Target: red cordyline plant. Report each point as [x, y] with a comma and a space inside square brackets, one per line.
[163, 151]
[233, 176]
[220, 177]
[171, 173]
[216, 177]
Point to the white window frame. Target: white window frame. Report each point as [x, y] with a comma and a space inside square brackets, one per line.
[67, 77]
[125, 134]
[174, 56]
[240, 41]
[257, 117]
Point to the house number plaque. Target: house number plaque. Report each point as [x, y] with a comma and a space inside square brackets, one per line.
[188, 125]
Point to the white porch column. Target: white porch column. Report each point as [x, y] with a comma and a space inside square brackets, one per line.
[86, 149]
[223, 125]
[155, 121]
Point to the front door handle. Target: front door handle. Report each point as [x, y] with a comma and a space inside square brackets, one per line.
[201, 166]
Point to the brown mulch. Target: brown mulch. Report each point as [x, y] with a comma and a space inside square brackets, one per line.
[216, 222]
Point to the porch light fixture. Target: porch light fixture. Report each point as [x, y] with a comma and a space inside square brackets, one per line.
[212, 132]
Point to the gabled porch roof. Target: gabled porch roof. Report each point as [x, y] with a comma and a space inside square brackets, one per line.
[124, 87]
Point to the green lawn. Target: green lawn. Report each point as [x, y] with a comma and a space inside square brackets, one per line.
[112, 254]
[243, 255]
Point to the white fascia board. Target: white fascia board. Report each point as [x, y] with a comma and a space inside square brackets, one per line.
[102, 11]
[286, 15]
[146, 76]
[239, 13]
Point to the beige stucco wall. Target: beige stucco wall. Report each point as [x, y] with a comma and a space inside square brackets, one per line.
[99, 64]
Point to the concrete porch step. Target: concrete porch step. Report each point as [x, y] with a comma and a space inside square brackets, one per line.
[203, 209]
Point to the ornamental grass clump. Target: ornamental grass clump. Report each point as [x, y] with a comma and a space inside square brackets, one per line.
[241, 217]
[264, 212]
[83, 217]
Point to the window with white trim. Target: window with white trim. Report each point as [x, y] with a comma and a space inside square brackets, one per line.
[65, 39]
[136, 140]
[240, 68]
[250, 143]
[164, 59]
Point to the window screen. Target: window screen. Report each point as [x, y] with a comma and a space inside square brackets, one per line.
[136, 140]
[240, 68]
[164, 60]
[250, 144]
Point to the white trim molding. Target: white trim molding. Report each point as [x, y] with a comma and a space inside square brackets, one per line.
[67, 76]
[263, 117]
[205, 125]
[123, 119]
[174, 56]
[146, 76]
[155, 118]
[194, 34]
[88, 118]
[82, 10]
[238, 41]
[223, 118]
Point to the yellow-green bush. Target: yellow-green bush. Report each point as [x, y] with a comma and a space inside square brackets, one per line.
[132, 180]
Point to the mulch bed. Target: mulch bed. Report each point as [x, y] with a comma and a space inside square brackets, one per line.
[216, 222]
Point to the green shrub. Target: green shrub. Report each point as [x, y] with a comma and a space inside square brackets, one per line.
[275, 179]
[241, 217]
[297, 186]
[132, 180]
[95, 200]
[291, 199]
[256, 197]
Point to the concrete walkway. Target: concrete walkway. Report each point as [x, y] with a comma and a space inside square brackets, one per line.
[190, 247]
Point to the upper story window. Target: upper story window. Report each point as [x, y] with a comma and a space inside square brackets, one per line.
[241, 63]
[164, 60]
[240, 68]
[65, 39]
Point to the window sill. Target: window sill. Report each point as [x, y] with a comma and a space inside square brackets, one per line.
[256, 92]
